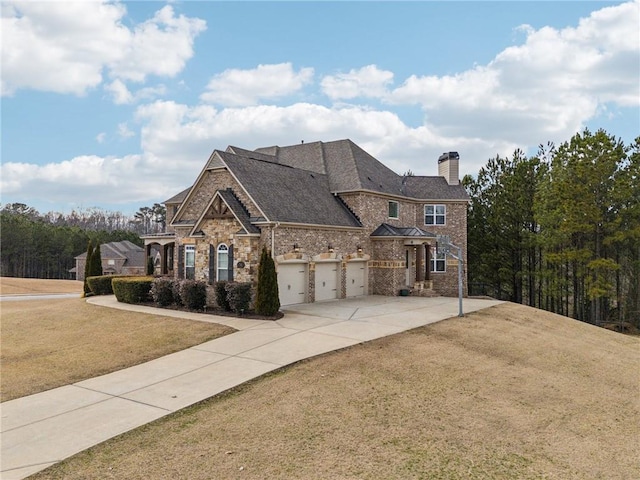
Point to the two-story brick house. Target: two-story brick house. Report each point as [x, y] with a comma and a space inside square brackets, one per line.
[338, 222]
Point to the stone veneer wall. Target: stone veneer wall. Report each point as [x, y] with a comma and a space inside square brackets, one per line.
[203, 192]
[245, 249]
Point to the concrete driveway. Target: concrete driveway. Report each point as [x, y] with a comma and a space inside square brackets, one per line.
[43, 429]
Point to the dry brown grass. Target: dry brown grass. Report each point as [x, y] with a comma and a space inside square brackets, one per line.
[49, 343]
[509, 392]
[17, 286]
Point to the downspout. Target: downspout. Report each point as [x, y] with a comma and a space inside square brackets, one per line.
[273, 239]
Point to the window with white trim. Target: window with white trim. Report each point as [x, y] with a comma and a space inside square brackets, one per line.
[190, 262]
[394, 209]
[439, 262]
[435, 214]
[223, 262]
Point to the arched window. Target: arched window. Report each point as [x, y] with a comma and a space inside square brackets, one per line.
[190, 261]
[223, 262]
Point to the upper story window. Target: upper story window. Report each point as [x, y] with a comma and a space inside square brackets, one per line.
[393, 209]
[190, 261]
[435, 214]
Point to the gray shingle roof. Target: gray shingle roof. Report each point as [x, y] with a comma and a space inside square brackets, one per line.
[350, 168]
[386, 230]
[434, 188]
[287, 194]
[132, 253]
[179, 198]
[238, 210]
[297, 183]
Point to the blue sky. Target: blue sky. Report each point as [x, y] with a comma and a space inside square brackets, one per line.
[118, 105]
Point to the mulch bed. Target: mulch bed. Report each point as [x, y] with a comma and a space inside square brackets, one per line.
[217, 311]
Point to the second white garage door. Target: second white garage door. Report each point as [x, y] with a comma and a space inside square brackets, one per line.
[327, 281]
[292, 283]
[356, 278]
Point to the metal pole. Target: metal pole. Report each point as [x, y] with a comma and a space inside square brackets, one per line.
[460, 313]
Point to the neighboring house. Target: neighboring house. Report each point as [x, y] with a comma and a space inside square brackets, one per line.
[337, 221]
[118, 258]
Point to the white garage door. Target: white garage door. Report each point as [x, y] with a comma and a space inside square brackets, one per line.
[356, 272]
[292, 283]
[327, 281]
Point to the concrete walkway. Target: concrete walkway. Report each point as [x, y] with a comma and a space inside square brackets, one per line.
[43, 429]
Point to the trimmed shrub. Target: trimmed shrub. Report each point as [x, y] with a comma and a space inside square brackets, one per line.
[132, 289]
[221, 295]
[193, 294]
[151, 268]
[177, 297]
[162, 291]
[238, 296]
[267, 295]
[87, 269]
[102, 285]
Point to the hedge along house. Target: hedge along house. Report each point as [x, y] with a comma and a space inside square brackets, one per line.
[338, 222]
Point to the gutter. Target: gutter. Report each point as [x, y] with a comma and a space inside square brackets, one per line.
[273, 239]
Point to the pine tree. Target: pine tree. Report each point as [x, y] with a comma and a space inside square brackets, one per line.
[267, 297]
[87, 268]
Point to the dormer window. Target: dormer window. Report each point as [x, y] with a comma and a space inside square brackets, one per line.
[393, 209]
[435, 214]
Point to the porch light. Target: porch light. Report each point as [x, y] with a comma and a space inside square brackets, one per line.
[359, 248]
[330, 248]
[296, 248]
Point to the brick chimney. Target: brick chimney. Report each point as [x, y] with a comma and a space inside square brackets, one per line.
[449, 166]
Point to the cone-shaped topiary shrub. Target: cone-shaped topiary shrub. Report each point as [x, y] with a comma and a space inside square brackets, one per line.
[87, 269]
[267, 296]
[96, 263]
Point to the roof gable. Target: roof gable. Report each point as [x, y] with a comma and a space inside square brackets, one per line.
[224, 204]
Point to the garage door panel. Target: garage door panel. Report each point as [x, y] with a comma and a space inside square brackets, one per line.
[292, 283]
[326, 283]
[356, 279]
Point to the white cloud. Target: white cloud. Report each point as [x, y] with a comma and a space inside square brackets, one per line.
[101, 137]
[544, 89]
[367, 81]
[88, 176]
[65, 47]
[182, 137]
[124, 131]
[177, 139]
[247, 87]
[159, 46]
[121, 94]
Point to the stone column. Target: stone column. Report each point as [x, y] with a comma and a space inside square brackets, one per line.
[427, 263]
[419, 263]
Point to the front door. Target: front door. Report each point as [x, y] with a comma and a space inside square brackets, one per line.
[408, 261]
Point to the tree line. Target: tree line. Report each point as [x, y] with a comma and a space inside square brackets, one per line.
[35, 245]
[560, 230]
